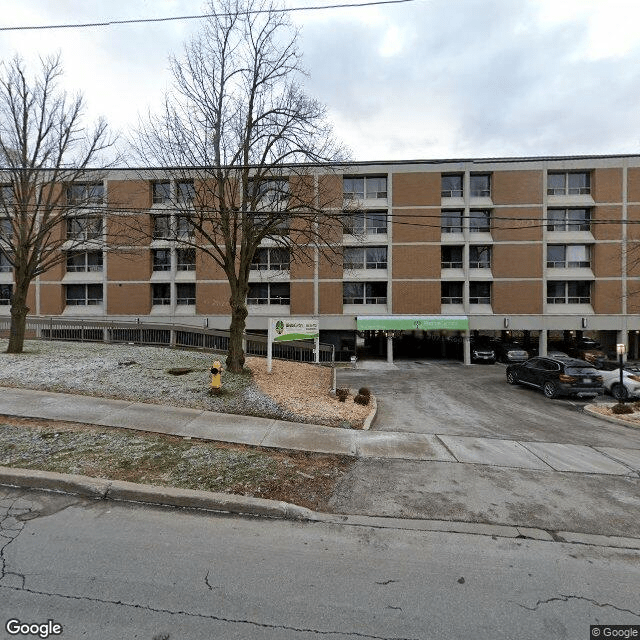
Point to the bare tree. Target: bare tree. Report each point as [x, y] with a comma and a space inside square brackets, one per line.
[45, 152]
[240, 136]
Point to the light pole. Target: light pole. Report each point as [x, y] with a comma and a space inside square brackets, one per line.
[621, 350]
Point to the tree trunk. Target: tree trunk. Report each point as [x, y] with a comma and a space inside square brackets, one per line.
[235, 357]
[19, 311]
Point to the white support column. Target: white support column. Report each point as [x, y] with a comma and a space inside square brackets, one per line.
[390, 348]
[542, 343]
[467, 347]
[623, 338]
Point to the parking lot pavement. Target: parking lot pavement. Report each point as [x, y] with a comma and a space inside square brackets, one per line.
[445, 397]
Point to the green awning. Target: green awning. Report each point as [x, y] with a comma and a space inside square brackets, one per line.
[411, 323]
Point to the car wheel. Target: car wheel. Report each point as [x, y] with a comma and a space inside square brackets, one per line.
[549, 389]
[512, 378]
[619, 392]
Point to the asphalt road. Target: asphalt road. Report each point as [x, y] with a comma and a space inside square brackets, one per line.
[448, 398]
[110, 571]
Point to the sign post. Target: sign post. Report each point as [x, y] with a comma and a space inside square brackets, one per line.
[288, 329]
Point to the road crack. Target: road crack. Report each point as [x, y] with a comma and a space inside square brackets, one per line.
[565, 598]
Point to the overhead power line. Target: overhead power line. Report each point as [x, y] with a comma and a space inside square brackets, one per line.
[110, 23]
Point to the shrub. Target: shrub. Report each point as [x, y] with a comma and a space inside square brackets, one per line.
[342, 394]
[621, 408]
[362, 399]
[364, 391]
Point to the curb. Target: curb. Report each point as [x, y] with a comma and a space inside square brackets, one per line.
[372, 414]
[120, 490]
[588, 408]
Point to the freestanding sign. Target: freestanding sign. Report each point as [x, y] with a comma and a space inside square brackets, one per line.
[287, 329]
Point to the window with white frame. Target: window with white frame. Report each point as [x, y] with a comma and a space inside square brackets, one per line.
[364, 187]
[365, 257]
[6, 291]
[451, 185]
[83, 294]
[560, 183]
[479, 257]
[480, 185]
[479, 293]
[161, 227]
[364, 293]
[269, 293]
[161, 293]
[451, 220]
[186, 293]
[451, 292]
[85, 194]
[78, 261]
[272, 193]
[451, 257]
[6, 229]
[7, 196]
[574, 219]
[568, 255]
[569, 292]
[186, 191]
[186, 259]
[5, 263]
[161, 192]
[360, 223]
[161, 259]
[480, 220]
[84, 228]
[271, 259]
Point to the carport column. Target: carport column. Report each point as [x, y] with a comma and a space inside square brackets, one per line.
[467, 347]
[622, 338]
[390, 347]
[542, 343]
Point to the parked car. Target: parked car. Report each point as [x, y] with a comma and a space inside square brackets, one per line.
[583, 349]
[482, 351]
[557, 376]
[510, 352]
[630, 382]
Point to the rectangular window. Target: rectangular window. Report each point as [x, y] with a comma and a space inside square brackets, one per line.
[451, 292]
[451, 221]
[572, 255]
[366, 187]
[479, 293]
[160, 293]
[480, 185]
[479, 257]
[6, 229]
[186, 293]
[364, 293]
[84, 194]
[272, 194]
[271, 259]
[161, 192]
[451, 185]
[5, 264]
[83, 294]
[269, 293]
[569, 292]
[186, 259]
[7, 196]
[480, 220]
[569, 219]
[161, 227]
[85, 261]
[365, 257]
[186, 191]
[563, 183]
[85, 228]
[451, 257]
[185, 227]
[365, 222]
[6, 291]
[161, 259]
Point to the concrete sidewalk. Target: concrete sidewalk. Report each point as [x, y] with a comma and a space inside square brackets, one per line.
[196, 423]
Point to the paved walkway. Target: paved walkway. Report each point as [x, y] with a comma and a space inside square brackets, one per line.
[195, 423]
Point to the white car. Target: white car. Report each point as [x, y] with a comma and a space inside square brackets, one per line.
[630, 382]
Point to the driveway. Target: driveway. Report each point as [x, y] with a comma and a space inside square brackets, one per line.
[447, 398]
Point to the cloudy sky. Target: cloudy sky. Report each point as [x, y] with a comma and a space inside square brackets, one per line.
[422, 79]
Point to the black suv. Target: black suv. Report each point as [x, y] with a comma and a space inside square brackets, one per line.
[557, 376]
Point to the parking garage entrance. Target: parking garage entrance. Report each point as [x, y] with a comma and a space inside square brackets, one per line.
[402, 337]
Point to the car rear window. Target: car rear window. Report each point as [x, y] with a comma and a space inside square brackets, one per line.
[580, 371]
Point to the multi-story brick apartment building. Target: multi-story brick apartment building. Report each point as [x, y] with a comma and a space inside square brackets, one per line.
[432, 249]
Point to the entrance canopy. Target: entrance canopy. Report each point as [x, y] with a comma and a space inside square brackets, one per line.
[411, 323]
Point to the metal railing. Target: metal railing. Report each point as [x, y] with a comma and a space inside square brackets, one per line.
[165, 335]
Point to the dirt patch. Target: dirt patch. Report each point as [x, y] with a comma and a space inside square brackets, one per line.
[301, 478]
[631, 418]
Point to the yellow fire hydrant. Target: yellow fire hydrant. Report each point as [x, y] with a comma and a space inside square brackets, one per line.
[216, 376]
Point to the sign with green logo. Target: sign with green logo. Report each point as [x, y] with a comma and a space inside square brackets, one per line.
[412, 323]
[287, 329]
